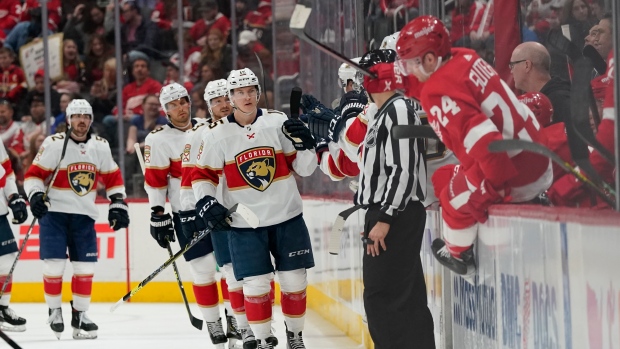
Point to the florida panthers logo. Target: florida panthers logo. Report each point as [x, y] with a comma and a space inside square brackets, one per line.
[81, 177]
[257, 166]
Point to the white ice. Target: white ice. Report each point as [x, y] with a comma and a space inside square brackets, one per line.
[153, 326]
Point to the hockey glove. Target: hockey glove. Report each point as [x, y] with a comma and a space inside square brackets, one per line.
[309, 102]
[118, 215]
[482, 198]
[39, 205]
[319, 120]
[351, 105]
[191, 224]
[299, 134]
[18, 206]
[162, 229]
[321, 146]
[213, 214]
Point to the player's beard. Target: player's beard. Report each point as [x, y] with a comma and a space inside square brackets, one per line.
[80, 130]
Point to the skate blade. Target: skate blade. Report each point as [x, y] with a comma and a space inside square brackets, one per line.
[80, 334]
[57, 334]
[10, 328]
[220, 346]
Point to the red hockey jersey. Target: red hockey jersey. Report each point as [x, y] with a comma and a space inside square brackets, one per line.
[10, 11]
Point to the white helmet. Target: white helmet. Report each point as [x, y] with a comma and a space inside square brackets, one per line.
[389, 42]
[78, 106]
[172, 92]
[241, 78]
[214, 89]
[347, 72]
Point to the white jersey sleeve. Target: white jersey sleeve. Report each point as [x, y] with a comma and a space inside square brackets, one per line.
[188, 163]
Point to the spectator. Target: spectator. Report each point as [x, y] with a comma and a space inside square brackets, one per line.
[137, 32]
[530, 64]
[74, 69]
[61, 118]
[576, 13]
[199, 106]
[249, 47]
[466, 18]
[30, 23]
[10, 132]
[602, 42]
[38, 92]
[172, 72]
[217, 51]
[259, 22]
[85, 22]
[165, 13]
[33, 148]
[211, 19]
[12, 78]
[9, 14]
[104, 92]
[597, 9]
[210, 72]
[98, 53]
[142, 125]
[34, 124]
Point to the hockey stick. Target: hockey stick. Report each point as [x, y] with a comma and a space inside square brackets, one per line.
[262, 74]
[413, 131]
[297, 25]
[295, 101]
[242, 211]
[333, 246]
[606, 192]
[34, 220]
[194, 320]
[9, 341]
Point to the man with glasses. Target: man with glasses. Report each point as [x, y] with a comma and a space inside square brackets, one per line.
[530, 65]
[476, 110]
[162, 178]
[251, 155]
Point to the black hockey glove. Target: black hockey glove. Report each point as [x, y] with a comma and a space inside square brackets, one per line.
[212, 213]
[319, 120]
[321, 146]
[38, 205]
[162, 229]
[118, 215]
[308, 102]
[351, 105]
[191, 224]
[299, 134]
[18, 206]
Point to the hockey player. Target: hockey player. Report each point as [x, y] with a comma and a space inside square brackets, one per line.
[9, 321]
[162, 159]
[67, 214]
[476, 109]
[254, 152]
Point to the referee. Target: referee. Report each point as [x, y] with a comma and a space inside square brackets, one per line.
[392, 186]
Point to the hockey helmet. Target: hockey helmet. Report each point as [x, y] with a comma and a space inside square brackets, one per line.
[172, 92]
[78, 106]
[422, 35]
[346, 72]
[214, 89]
[540, 105]
[389, 42]
[241, 78]
[373, 57]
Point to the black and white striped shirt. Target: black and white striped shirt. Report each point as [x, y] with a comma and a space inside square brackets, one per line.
[393, 171]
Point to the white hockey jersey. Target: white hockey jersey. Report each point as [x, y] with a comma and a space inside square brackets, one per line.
[193, 139]
[85, 164]
[10, 188]
[257, 161]
[162, 158]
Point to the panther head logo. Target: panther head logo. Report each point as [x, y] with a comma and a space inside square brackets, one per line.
[82, 177]
[257, 166]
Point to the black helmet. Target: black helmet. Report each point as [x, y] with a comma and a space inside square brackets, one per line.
[373, 57]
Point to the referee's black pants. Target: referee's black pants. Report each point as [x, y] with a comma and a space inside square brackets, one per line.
[394, 285]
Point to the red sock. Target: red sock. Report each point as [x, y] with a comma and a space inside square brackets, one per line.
[53, 285]
[237, 302]
[272, 293]
[7, 290]
[455, 250]
[224, 288]
[206, 295]
[81, 285]
[293, 304]
[258, 308]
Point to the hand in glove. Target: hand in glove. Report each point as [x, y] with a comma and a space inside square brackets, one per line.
[321, 146]
[118, 215]
[319, 120]
[299, 134]
[38, 204]
[482, 198]
[191, 224]
[213, 214]
[309, 102]
[17, 204]
[162, 229]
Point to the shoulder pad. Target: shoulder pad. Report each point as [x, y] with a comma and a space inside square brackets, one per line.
[157, 129]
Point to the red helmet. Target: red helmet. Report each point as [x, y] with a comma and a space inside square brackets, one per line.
[540, 105]
[422, 35]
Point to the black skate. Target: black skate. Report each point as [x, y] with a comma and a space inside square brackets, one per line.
[232, 331]
[9, 321]
[249, 341]
[464, 266]
[55, 321]
[294, 340]
[264, 344]
[83, 327]
[216, 332]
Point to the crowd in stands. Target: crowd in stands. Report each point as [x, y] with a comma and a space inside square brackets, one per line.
[149, 33]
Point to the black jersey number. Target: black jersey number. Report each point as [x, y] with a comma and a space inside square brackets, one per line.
[213, 124]
[58, 137]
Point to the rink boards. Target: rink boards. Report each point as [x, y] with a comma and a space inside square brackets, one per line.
[548, 278]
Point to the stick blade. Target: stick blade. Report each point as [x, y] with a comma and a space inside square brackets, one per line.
[299, 18]
[333, 246]
[116, 305]
[413, 131]
[197, 323]
[295, 101]
[250, 217]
